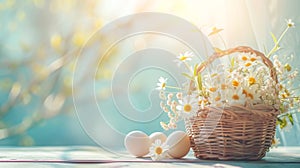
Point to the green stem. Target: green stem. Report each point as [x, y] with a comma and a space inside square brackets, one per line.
[275, 48]
[188, 67]
[287, 113]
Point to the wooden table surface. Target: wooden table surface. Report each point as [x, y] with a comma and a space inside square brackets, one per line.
[90, 157]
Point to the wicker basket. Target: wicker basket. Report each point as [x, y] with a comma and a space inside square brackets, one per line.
[235, 132]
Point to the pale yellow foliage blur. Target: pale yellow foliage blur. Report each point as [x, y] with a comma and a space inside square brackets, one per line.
[56, 41]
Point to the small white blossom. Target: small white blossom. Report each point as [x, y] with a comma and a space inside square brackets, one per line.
[162, 105]
[174, 103]
[170, 115]
[166, 109]
[169, 102]
[293, 75]
[172, 125]
[170, 95]
[290, 23]
[162, 95]
[161, 85]
[179, 95]
[173, 108]
[164, 126]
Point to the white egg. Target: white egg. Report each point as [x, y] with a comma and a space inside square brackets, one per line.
[137, 143]
[179, 144]
[158, 135]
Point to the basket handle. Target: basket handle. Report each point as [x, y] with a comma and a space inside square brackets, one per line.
[240, 49]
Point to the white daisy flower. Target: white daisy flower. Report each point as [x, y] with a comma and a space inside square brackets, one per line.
[158, 150]
[246, 57]
[217, 99]
[236, 97]
[187, 107]
[211, 82]
[252, 94]
[290, 23]
[161, 85]
[187, 56]
[275, 142]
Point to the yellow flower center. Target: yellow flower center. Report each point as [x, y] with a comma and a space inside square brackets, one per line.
[280, 87]
[218, 98]
[56, 41]
[182, 58]
[248, 64]
[235, 83]
[235, 97]
[284, 95]
[223, 86]
[288, 67]
[187, 108]
[244, 58]
[158, 150]
[251, 80]
[252, 59]
[163, 85]
[244, 92]
[212, 89]
[250, 95]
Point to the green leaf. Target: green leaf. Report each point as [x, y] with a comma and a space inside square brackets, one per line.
[188, 76]
[199, 81]
[281, 107]
[232, 62]
[195, 70]
[278, 121]
[275, 42]
[290, 116]
[283, 123]
[274, 38]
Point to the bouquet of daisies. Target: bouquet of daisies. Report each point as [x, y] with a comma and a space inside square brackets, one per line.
[250, 79]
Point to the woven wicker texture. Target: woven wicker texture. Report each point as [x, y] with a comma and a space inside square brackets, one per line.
[235, 132]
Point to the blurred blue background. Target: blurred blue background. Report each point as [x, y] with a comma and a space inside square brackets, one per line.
[39, 41]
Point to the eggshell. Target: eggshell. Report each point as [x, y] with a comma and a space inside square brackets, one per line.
[179, 144]
[137, 143]
[158, 135]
